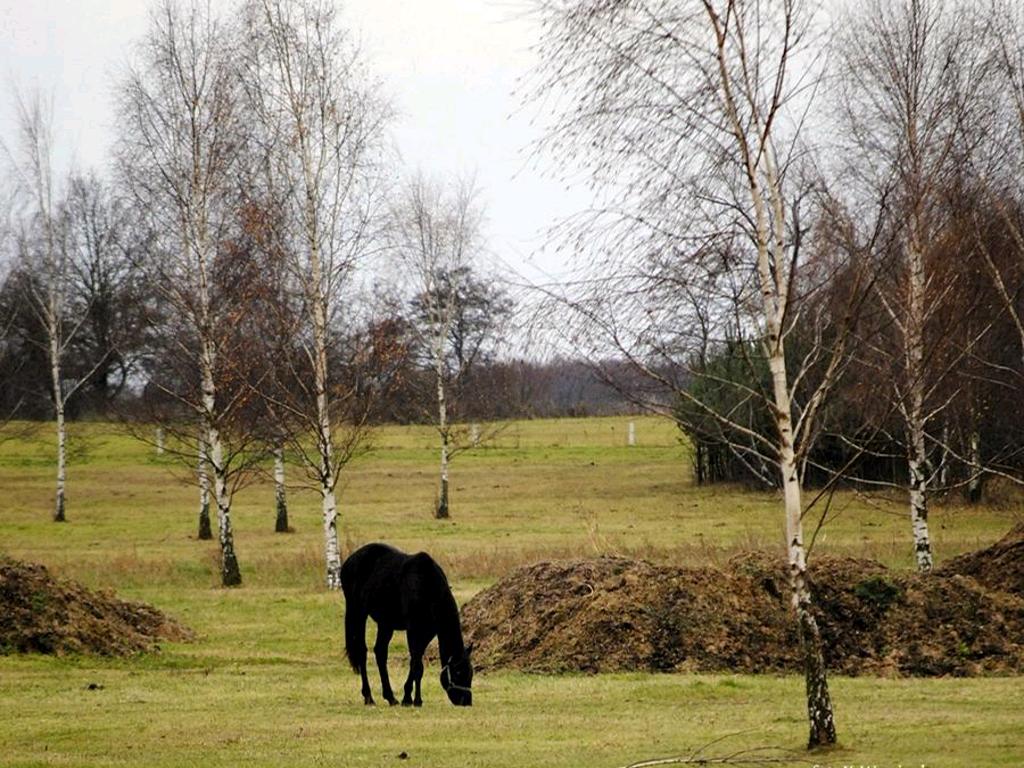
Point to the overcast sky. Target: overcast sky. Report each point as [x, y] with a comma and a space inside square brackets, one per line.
[450, 67]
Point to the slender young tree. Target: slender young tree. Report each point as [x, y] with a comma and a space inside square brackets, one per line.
[180, 141]
[689, 120]
[319, 124]
[437, 240]
[910, 83]
[47, 277]
[39, 243]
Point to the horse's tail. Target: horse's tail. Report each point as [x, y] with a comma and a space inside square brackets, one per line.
[355, 624]
[355, 636]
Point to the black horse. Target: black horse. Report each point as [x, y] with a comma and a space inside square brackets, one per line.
[411, 593]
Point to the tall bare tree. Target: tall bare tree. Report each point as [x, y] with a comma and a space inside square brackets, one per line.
[108, 285]
[180, 137]
[319, 123]
[911, 81]
[437, 241]
[39, 244]
[997, 212]
[689, 119]
[47, 257]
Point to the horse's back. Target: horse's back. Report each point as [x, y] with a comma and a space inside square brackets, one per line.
[370, 579]
[368, 560]
[423, 568]
[422, 584]
[391, 586]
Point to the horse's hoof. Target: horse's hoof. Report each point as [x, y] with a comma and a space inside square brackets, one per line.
[368, 701]
[406, 702]
[392, 701]
[418, 703]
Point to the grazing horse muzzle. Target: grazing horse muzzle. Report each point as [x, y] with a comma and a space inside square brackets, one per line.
[456, 679]
[460, 698]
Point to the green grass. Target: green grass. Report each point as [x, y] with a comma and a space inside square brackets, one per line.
[265, 684]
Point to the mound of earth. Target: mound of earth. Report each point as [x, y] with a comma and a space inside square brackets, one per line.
[615, 614]
[41, 614]
[999, 567]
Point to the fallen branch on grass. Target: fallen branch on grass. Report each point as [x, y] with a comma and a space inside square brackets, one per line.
[749, 757]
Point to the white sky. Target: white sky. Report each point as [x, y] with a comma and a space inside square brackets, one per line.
[450, 67]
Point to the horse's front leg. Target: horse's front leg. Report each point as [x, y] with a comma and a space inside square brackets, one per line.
[380, 652]
[417, 645]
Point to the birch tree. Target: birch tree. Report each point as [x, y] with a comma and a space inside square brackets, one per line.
[271, 324]
[180, 136]
[39, 244]
[47, 264]
[997, 213]
[437, 240]
[911, 77]
[688, 119]
[319, 123]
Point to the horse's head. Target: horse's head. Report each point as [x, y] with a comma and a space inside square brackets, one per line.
[457, 679]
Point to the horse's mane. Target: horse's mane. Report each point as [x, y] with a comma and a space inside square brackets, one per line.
[446, 610]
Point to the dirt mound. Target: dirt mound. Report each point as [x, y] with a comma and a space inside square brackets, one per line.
[41, 614]
[999, 567]
[614, 614]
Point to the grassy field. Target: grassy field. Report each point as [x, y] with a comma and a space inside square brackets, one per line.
[265, 684]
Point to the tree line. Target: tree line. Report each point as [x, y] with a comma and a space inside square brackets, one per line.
[215, 279]
[254, 274]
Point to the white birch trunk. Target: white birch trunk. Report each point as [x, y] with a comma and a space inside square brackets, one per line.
[918, 454]
[631, 435]
[441, 512]
[59, 515]
[159, 441]
[819, 703]
[919, 502]
[974, 486]
[280, 499]
[332, 551]
[205, 529]
[230, 574]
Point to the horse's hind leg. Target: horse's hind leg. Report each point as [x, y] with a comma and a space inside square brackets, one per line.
[380, 652]
[355, 647]
[417, 645]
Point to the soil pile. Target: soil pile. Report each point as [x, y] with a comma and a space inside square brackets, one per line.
[999, 567]
[41, 614]
[615, 614]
